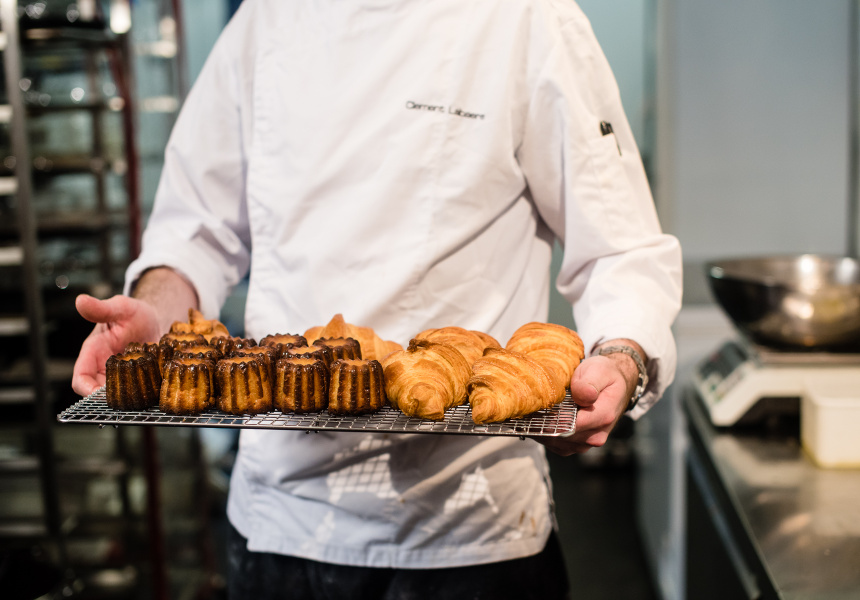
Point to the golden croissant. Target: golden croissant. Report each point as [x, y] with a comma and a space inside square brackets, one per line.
[372, 346]
[558, 349]
[197, 323]
[426, 379]
[508, 385]
[471, 344]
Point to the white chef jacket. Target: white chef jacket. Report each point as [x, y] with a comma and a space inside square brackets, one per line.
[407, 163]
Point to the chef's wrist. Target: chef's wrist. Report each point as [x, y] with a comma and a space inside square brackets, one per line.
[169, 292]
[631, 361]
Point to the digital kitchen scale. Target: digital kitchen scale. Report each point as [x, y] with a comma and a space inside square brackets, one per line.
[740, 376]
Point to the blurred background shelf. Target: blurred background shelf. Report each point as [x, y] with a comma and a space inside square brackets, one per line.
[84, 511]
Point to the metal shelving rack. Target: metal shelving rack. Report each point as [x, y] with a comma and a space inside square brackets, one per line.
[37, 303]
[35, 376]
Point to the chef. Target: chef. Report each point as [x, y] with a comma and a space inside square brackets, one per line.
[408, 164]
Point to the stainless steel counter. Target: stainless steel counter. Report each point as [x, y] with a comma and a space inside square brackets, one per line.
[795, 527]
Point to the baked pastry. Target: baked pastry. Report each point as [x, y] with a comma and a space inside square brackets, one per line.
[470, 344]
[188, 386]
[197, 323]
[132, 381]
[243, 385]
[227, 344]
[356, 387]
[508, 385]
[489, 341]
[161, 352]
[372, 346]
[199, 351]
[267, 354]
[180, 340]
[323, 353]
[426, 379]
[341, 347]
[282, 341]
[301, 384]
[558, 349]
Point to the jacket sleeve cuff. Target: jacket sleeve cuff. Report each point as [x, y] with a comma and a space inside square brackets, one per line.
[204, 272]
[661, 351]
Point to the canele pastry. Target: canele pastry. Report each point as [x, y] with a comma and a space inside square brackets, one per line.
[161, 352]
[470, 344]
[188, 386]
[267, 354]
[227, 345]
[301, 384]
[558, 349]
[323, 353]
[180, 340]
[508, 385]
[426, 379]
[132, 381]
[356, 387]
[243, 385]
[372, 346]
[199, 351]
[282, 341]
[341, 347]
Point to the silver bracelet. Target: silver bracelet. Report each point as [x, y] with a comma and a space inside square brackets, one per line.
[642, 383]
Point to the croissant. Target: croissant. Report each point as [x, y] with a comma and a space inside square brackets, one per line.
[197, 323]
[471, 344]
[489, 341]
[508, 385]
[372, 346]
[425, 379]
[558, 350]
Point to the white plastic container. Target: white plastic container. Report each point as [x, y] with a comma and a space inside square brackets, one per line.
[830, 418]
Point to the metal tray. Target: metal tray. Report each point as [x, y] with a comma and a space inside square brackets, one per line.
[557, 421]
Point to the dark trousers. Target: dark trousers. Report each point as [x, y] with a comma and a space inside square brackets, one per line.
[264, 576]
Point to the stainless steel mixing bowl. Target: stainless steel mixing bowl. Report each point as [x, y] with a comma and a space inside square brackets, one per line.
[797, 302]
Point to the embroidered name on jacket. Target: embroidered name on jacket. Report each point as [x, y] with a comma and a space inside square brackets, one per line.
[451, 110]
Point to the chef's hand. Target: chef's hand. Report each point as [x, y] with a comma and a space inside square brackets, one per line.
[602, 387]
[161, 296]
[119, 320]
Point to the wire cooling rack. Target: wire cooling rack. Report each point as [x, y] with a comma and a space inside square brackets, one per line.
[555, 422]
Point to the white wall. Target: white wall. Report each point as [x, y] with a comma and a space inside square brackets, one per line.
[757, 128]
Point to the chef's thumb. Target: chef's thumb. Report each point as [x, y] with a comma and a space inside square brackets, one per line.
[590, 378]
[102, 311]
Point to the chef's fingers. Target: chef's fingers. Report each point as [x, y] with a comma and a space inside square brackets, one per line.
[592, 377]
[103, 311]
[89, 371]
